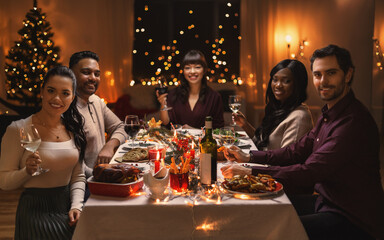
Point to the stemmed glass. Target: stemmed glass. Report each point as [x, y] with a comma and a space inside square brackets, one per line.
[163, 89]
[30, 140]
[234, 102]
[227, 137]
[132, 127]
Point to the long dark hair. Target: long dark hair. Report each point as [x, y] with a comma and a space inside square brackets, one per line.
[275, 111]
[72, 119]
[182, 92]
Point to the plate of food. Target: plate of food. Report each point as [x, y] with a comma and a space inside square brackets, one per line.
[117, 180]
[253, 186]
[134, 155]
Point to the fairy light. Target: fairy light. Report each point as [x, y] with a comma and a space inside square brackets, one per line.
[378, 54]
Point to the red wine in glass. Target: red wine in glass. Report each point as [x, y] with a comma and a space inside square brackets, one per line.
[163, 90]
[132, 127]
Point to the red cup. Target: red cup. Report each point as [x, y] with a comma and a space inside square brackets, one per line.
[179, 181]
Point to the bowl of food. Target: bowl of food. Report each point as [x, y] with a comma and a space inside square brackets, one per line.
[116, 180]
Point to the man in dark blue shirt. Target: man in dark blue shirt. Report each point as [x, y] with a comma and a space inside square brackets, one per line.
[339, 157]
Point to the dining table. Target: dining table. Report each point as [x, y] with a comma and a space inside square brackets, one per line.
[137, 216]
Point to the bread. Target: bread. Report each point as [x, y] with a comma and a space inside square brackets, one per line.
[115, 173]
[135, 155]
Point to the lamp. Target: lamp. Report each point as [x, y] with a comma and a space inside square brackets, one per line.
[288, 39]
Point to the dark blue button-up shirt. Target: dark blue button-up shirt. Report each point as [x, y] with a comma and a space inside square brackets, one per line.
[340, 158]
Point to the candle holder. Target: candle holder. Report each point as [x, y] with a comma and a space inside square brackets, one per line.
[154, 150]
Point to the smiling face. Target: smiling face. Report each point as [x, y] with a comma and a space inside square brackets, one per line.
[57, 94]
[282, 84]
[87, 74]
[330, 80]
[193, 73]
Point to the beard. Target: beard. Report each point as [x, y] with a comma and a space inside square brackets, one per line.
[334, 92]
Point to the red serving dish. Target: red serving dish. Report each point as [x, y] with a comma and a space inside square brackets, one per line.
[114, 189]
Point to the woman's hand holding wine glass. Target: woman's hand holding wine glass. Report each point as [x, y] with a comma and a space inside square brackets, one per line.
[30, 140]
[162, 89]
[227, 137]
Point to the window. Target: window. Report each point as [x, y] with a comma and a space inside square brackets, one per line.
[166, 29]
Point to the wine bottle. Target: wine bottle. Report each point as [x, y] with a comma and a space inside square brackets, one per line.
[208, 155]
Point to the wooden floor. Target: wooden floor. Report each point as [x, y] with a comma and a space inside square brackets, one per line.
[8, 206]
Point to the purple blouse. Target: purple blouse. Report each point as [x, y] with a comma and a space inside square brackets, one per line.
[340, 157]
[182, 113]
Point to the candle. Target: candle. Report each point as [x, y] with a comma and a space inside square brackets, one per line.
[153, 151]
[157, 163]
[192, 152]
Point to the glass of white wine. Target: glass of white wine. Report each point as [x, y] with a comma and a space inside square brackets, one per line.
[234, 102]
[30, 140]
[227, 138]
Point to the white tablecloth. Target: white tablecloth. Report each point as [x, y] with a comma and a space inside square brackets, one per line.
[138, 217]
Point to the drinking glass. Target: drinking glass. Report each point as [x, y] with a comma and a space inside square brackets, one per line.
[30, 140]
[132, 127]
[234, 102]
[163, 89]
[227, 137]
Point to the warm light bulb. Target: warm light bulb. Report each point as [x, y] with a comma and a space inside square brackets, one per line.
[288, 38]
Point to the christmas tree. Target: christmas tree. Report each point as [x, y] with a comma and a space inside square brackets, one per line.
[29, 60]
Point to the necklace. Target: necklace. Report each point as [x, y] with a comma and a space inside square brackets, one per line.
[49, 129]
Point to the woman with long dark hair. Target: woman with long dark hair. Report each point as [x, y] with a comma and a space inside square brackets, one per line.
[193, 100]
[51, 202]
[286, 118]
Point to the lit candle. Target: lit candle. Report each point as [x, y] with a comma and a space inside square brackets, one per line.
[157, 162]
[192, 152]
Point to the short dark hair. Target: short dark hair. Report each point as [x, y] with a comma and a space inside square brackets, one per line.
[76, 57]
[342, 55]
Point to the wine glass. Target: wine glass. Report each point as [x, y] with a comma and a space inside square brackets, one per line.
[30, 140]
[132, 127]
[234, 102]
[227, 137]
[163, 89]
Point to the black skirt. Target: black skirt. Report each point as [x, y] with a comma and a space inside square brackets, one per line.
[42, 213]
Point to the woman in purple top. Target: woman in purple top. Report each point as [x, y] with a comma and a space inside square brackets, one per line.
[193, 100]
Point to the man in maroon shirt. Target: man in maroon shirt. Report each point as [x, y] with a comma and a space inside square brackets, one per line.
[339, 157]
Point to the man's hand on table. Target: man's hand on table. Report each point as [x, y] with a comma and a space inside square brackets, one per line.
[107, 152]
[234, 153]
[233, 169]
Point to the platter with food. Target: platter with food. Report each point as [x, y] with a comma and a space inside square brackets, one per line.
[117, 180]
[134, 155]
[253, 186]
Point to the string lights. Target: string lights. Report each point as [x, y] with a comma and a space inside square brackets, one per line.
[378, 54]
[300, 49]
[167, 63]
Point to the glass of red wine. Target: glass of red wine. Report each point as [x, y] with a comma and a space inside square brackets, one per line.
[163, 89]
[132, 127]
